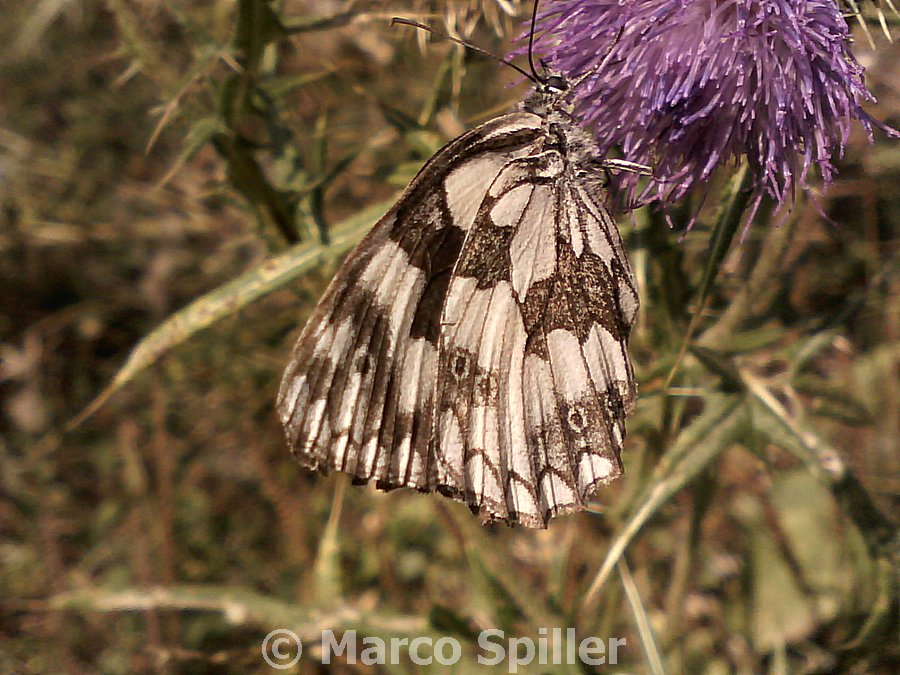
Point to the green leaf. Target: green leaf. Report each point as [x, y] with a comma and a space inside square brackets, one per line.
[312, 23]
[234, 295]
[881, 618]
[723, 234]
[833, 401]
[721, 365]
[724, 231]
[798, 566]
[280, 86]
[258, 25]
[824, 462]
[248, 177]
[206, 58]
[751, 340]
[200, 133]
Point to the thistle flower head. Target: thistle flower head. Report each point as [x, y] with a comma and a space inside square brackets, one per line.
[688, 86]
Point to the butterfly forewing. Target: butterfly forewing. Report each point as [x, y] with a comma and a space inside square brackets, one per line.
[474, 343]
[340, 399]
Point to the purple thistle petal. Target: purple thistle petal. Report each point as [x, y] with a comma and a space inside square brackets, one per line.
[690, 86]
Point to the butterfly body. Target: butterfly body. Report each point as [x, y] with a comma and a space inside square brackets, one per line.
[474, 343]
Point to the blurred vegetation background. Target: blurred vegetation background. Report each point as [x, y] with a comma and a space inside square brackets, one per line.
[159, 153]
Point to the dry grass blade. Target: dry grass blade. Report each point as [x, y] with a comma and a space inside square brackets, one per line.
[241, 608]
[327, 568]
[857, 13]
[645, 630]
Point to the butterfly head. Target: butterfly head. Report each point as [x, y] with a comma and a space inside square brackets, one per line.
[550, 93]
[554, 84]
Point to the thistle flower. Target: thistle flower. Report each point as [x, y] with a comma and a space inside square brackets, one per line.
[688, 86]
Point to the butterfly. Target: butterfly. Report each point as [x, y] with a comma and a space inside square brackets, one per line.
[474, 344]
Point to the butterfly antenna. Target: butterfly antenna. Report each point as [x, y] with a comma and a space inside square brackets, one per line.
[534, 12]
[421, 26]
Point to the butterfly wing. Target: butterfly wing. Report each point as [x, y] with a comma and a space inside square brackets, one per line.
[534, 380]
[364, 367]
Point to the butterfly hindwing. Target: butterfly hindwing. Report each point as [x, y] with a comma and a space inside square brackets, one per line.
[530, 392]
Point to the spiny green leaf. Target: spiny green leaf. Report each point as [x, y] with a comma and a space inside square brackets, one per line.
[273, 206]
[200, 133]
[232, 296]
[751, 340]
[882, 617]
[803, 351]
[307, 24]
[833, 401]
[206, 57]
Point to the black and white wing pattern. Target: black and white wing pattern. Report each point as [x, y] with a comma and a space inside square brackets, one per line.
[475, 342]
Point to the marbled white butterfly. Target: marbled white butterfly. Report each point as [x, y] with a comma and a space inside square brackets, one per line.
[475, 343]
